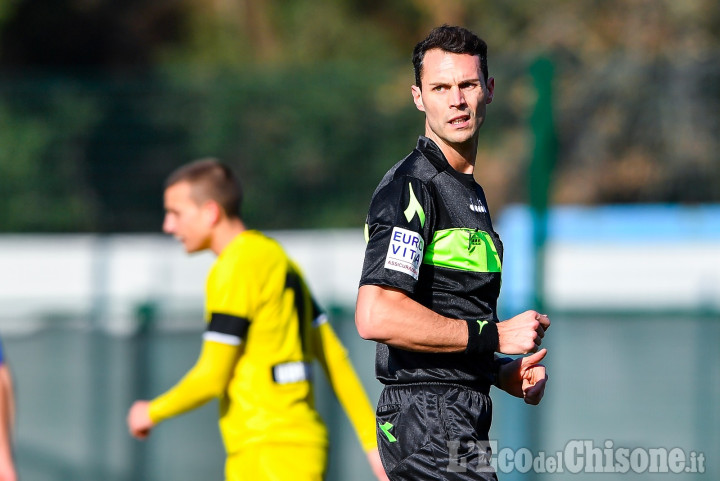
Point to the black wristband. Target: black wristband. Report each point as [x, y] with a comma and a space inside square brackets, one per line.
[482, 337]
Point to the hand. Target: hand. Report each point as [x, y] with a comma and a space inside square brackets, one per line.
[374, 459]
[138, 419]
[523, 333]
[524, 377]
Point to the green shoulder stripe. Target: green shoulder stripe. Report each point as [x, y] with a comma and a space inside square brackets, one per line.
[463, 249]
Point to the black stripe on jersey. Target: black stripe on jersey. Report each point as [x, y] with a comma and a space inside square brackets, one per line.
[228, 324]
[294, 283]
[318, 315]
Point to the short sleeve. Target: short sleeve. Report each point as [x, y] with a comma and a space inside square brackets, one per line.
[399, 225]
[229, 304]
[226, 329]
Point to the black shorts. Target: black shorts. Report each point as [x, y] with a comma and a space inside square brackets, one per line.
[434, 431]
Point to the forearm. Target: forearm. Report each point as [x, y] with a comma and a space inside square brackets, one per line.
[347, 386]
[8, 396]
[7, 463]
[501, 371]
[204, 382]
[391, 317]
[7, 469]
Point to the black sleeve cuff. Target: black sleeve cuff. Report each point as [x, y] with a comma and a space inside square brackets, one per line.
[498, 363]
[482, 337]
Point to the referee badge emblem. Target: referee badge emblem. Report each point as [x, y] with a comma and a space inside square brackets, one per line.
[475, 239]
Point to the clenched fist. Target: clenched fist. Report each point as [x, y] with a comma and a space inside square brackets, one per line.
[523, 333]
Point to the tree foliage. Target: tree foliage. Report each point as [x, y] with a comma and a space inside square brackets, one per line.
[309, 100]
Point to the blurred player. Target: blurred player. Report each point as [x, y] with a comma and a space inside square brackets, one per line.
[431, 279]
[7, 417]
[264, 329]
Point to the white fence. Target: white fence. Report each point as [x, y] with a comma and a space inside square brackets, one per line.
[105, 278]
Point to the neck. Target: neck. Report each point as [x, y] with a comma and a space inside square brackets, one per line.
[224, 233]
[461, 157]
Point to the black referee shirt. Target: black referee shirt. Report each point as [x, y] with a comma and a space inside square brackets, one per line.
[429, 234]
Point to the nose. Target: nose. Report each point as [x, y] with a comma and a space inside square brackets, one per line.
[457, 97]
[168, 225]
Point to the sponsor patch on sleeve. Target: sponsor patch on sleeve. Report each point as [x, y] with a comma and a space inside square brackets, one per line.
[405, 252]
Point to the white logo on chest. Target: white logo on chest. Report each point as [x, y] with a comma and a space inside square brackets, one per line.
[477, 206]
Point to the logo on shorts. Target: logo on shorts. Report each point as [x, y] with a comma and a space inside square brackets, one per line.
[405, 252]
[385, 428]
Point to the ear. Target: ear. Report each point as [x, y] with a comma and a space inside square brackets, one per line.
[490, 90]
[417, 98]
[212, 212]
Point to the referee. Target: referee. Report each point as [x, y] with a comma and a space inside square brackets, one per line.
[431, 279]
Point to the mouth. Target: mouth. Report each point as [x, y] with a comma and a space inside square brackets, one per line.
[460, 120]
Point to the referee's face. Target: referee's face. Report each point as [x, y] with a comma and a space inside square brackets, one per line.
[185, 219]
[453, 96]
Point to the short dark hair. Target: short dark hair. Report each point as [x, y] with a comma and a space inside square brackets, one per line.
[210, 180]
[450, 39]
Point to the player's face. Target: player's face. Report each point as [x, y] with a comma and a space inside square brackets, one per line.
[453, 96]
[186, 219]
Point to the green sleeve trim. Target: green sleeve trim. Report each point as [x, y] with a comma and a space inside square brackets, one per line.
[463, 249]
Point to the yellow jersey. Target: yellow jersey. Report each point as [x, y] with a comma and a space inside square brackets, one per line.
[264, 330]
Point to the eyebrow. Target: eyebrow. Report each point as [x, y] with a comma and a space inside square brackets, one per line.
[460, 82]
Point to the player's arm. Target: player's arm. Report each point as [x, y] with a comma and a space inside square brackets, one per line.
[334, 359]
[206, 380]
[7, 415]
[389, 315]
[399, 225]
